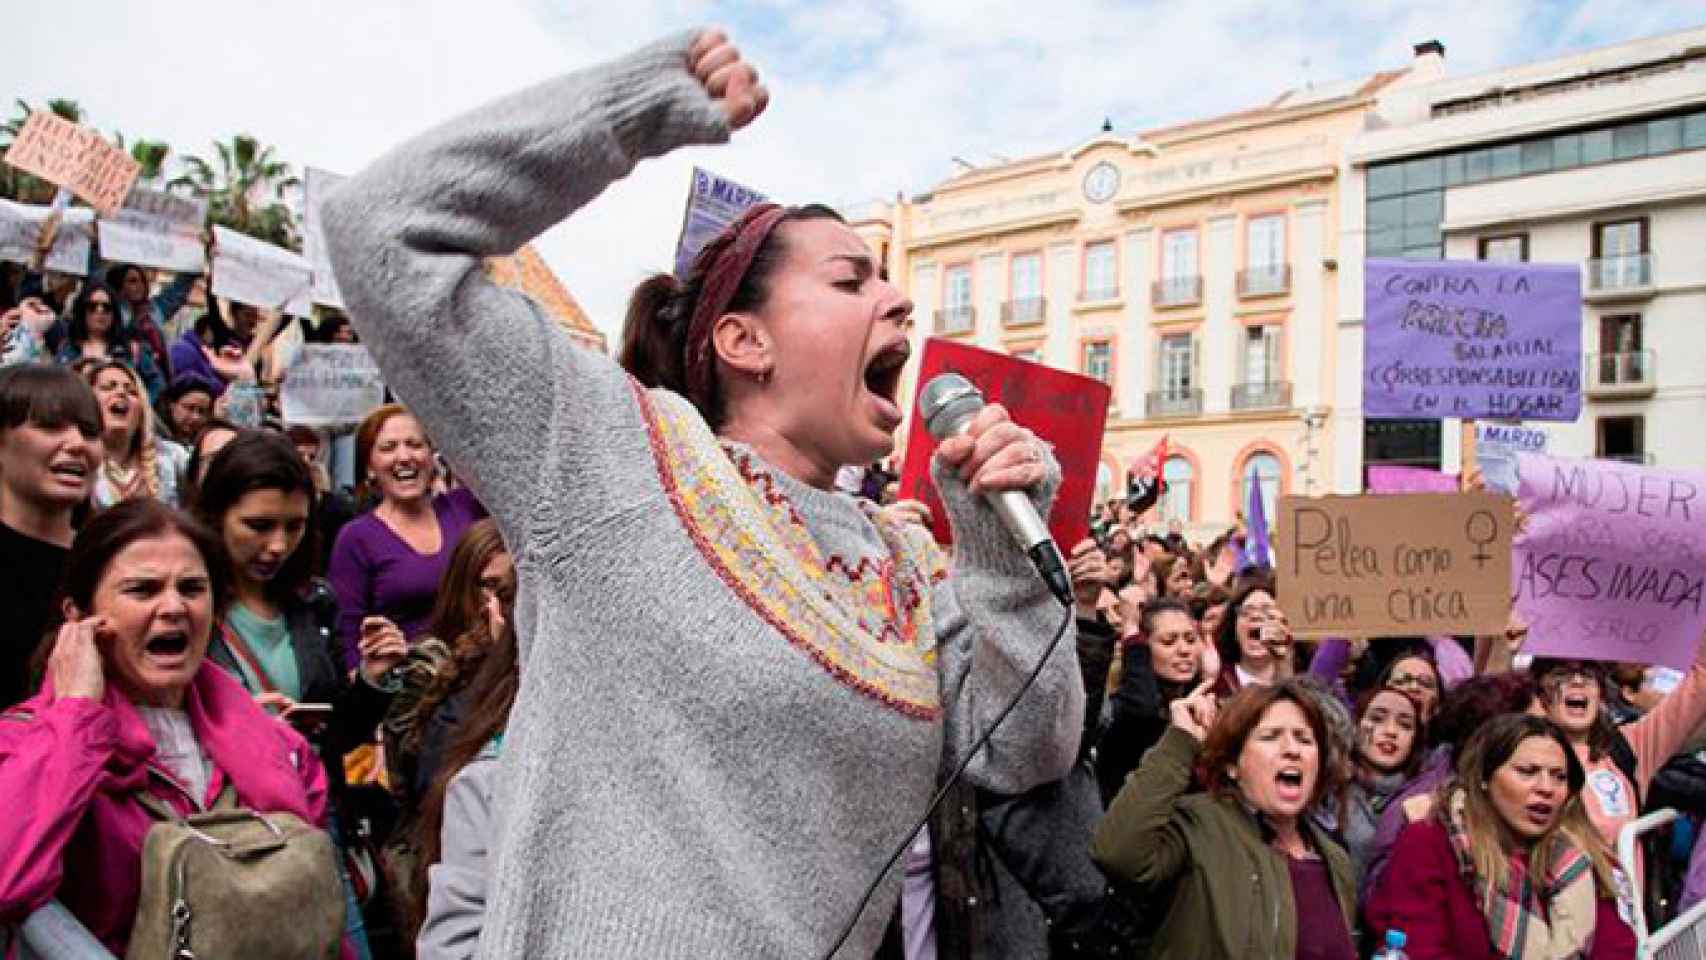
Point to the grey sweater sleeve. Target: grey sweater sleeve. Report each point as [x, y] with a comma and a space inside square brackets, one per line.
[456, 884]
[994, 619]
[481, 364]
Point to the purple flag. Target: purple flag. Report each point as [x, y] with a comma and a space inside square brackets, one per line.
[1257, 554]
[1448, 338]
[1388, 478]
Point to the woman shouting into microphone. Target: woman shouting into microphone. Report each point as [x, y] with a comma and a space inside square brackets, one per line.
[718, 772]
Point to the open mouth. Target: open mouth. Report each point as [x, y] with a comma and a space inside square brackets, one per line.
[405, 472]
[76, 471]
[1540, 813]
[171, 644]
[1576, 703]
[1290, 783]
[882, 377]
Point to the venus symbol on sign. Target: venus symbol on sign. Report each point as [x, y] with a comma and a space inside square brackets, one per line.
[1482, 530]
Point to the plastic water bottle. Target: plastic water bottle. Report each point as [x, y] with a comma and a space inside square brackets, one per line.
[1394, 949]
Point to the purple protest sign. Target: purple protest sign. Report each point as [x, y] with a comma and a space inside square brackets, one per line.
[1397, 479]
[1612, 565]
[1450, 338]
[713, 203]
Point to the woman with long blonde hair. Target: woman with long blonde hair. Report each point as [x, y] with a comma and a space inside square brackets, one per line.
[1508, 865]
[138, 462]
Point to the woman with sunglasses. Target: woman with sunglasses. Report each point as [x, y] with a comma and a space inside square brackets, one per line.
[1620, 760]
[94, 331]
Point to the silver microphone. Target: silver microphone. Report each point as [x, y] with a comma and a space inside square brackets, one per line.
[948, 403]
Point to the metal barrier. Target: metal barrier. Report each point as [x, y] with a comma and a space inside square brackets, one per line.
[1684, 937]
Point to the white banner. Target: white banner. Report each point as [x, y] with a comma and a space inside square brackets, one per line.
[20, 225]
[317, 184]
[330, 384]
[249, 271]
[156, 229]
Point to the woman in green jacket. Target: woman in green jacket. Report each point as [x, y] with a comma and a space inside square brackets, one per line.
[1238, 871]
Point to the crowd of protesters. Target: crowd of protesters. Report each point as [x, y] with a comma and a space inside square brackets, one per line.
[199, 617]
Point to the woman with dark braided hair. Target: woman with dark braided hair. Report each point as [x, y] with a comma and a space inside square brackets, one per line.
[739, 687]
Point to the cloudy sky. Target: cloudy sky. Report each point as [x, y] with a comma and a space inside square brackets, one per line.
[867, 98]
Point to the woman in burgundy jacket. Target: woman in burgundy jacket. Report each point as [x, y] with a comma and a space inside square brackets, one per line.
[1507, 867]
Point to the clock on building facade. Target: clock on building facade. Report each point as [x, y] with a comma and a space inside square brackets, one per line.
[1102, 182]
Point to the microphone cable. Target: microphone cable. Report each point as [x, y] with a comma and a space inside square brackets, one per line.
[906, 841]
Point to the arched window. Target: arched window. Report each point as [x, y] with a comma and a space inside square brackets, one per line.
[1176, 501]
[1260, 468]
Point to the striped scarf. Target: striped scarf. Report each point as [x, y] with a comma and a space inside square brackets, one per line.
[1526, 920]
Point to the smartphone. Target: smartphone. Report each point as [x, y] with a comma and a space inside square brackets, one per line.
[309, 716]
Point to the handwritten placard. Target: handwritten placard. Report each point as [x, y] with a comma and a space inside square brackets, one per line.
[713, 203]
[156, 229]
[316, 184]
[1384, 565]
[61, 152]
[1445, 338]
[20, 227]
[1496, 449]
[259, 274]
[1612, 565]
[330, 384]
[1395, 478]
[1065, 410]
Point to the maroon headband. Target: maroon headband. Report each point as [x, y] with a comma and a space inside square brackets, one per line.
[729, 255]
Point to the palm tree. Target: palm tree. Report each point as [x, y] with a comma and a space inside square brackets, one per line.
[149, 154]
[14, 183]
[244, 188]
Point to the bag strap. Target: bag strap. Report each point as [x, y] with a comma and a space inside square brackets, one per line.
[241, 651]
[227, 800]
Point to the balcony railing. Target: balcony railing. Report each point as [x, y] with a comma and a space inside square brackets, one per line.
[955, 319]
[1173, 403]
[1274, 394]
[1177, 291]
[1621, 373]
[1264, 281]
[1639, 459]
[1095, 294]
[1023, 313]
[1629, 271]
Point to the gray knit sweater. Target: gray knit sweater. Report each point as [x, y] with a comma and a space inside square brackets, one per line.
[678, 779]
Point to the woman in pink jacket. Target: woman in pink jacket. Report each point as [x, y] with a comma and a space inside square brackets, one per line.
[131, 705]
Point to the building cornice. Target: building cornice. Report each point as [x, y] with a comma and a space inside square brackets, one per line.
[1322, 172]
[1057, 218]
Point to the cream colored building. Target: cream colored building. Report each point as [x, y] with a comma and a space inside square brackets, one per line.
[1190, 267]
[1597, 159]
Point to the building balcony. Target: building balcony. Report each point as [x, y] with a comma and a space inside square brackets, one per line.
[1177, 291]
[1625, 277]
[1638, 459]
[1173, 403]
[1272, 395]
[1025, 312]
[956, 319]
[1620, 375]
[1265, 281]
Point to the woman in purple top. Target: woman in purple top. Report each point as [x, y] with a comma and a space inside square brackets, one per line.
[387, 563]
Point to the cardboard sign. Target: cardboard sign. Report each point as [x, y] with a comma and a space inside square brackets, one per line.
[713, 203]
[61, 152]
[316, 184]
[1471, 339]
[1066, 410]
[260, 274]
[1401, 479]
[1612, 565]
[1374, 565]
[330, 384]
[1496, 449]
[156, 229]
[20, 225]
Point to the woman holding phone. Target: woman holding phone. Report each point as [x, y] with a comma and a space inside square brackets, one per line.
[279, 634]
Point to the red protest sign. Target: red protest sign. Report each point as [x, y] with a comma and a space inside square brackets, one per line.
[79, 159]
[1066, 410]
